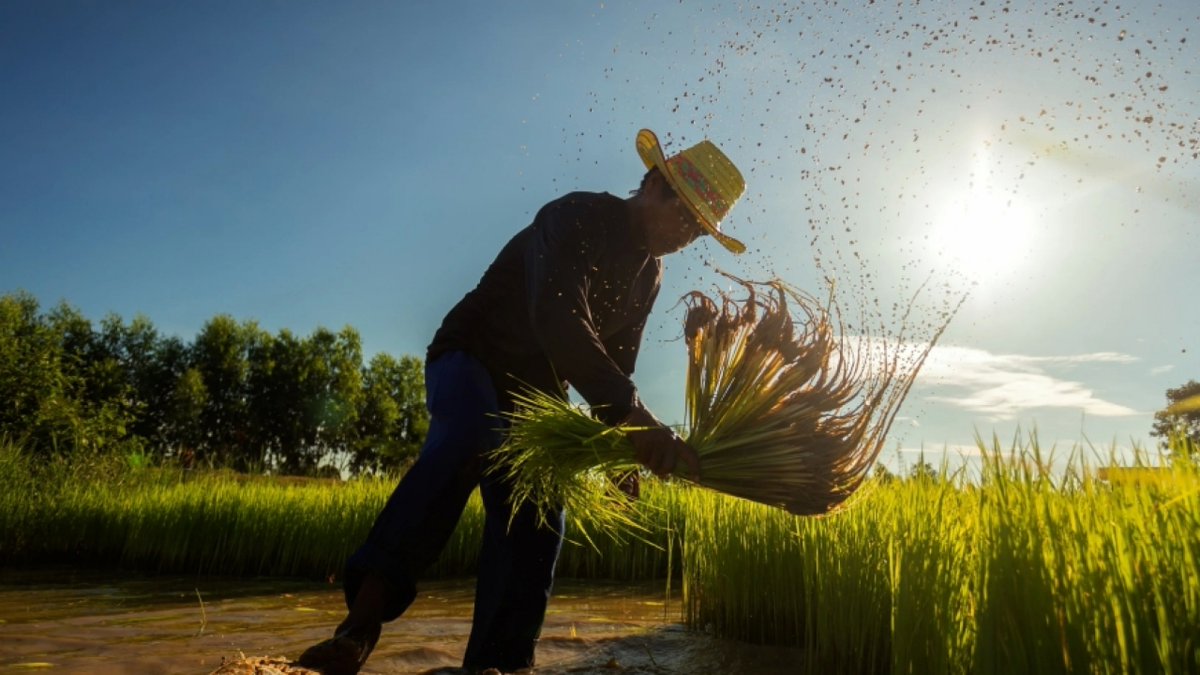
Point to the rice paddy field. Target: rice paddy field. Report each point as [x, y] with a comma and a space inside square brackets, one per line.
[1016, 569]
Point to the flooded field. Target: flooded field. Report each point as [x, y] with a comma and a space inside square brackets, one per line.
[73, 622]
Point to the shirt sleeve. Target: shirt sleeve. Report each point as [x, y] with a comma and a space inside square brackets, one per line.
[624, 345]
[560, 266]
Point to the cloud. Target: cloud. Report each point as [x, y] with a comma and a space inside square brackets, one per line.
[1001, 386]
[1159, 370]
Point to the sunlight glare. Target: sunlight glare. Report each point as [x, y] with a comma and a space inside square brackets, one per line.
[985, 230]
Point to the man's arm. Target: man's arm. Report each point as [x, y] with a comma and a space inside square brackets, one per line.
[624, 346]
[559, 269]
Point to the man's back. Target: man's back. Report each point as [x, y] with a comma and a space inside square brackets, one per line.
[579, 274]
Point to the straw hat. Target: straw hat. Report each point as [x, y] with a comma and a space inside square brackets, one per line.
[703, 177]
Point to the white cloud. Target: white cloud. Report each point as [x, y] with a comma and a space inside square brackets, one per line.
[1001, 386]
[1159, 370]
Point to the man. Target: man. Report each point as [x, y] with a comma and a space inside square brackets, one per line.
[564, 302]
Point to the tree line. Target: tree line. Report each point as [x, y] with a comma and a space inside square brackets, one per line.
[236, 396]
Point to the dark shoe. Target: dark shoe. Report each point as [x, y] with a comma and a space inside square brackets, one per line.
[343, 654]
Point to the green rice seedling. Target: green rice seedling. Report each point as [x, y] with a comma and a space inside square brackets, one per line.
[760, 574]
[1022, 570]
[589, 459]
[931, 554]
[17, 496]
[1086, 577]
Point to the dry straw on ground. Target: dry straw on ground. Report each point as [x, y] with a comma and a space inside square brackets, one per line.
[261, 665]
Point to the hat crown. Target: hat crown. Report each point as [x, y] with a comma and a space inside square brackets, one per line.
[703, 177]
[695, 165]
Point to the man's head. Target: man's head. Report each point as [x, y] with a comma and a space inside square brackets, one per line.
[703, 181]
[668, 223]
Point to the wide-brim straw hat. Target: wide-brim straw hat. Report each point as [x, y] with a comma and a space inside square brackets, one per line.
[703, 177]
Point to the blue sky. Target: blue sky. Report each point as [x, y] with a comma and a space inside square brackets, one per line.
[311, 164]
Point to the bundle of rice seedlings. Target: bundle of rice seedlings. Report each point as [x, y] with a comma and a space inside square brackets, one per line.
[782, 408]
[559, 455]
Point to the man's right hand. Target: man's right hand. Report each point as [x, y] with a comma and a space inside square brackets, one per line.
[658, 448]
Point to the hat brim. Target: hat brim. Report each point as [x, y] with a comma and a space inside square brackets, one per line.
[652, 156]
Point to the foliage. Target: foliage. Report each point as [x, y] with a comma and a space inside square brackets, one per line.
[236, 396]
[393, 421]
[922, 470]
[61, 392]
[882, 474]
[1181, 417]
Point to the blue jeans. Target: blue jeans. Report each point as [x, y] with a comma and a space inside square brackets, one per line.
[516, 562]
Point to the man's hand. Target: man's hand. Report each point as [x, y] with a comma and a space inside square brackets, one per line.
[630, 485]
[657, 446]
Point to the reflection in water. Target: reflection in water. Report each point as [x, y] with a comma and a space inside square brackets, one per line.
[70, 622]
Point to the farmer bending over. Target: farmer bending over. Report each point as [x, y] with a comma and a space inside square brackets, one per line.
[564, 302]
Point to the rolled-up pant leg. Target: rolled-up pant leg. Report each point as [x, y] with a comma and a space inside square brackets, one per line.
[424, 509]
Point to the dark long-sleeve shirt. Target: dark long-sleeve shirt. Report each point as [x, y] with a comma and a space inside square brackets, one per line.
[565, 301]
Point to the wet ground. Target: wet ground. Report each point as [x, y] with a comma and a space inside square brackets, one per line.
[70, 622]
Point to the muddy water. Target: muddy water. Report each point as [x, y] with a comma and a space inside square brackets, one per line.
[68, 622]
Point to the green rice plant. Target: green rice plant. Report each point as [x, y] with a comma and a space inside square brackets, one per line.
[17, 491]
[1092, 576]
[213, 522]
[1024, 569]
[931, 554]
[762, 575]
[1020, 560]
[661, 513]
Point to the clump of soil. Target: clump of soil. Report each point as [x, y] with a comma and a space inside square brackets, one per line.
[261, 665]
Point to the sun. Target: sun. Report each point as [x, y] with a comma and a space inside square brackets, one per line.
[985, 229]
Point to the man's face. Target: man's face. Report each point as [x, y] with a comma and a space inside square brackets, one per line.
[675, 227]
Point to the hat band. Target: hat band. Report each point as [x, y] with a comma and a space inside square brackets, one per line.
[699, 184]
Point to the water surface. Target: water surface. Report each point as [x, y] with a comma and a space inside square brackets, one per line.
[82, 622]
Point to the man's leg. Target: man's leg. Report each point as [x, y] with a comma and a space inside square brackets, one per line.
[516, 574]
[422, 512]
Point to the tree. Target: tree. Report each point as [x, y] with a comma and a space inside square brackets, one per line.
[220, 352]
[1179, 422]
[236, 396]
[335, 388]
[166, 421]
[392, 421]
[182, 417]
[29, 363]
[91, 364]
[922, 471]
[276, 368]
[882, 474]
[59, 393]
[304, 398]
